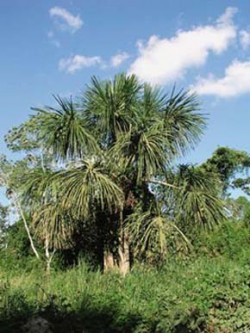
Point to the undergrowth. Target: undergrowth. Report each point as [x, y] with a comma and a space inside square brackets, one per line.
[209, 292]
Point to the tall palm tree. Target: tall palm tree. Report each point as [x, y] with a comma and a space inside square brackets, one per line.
[115, 149]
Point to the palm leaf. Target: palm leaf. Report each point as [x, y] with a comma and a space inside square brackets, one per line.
[54, 224]
[183, 120]
[88, 186]
[110, 105]
[197, 202]
[153, 232]
[63, 130]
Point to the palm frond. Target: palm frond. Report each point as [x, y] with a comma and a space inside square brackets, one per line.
[63, 131]
[153, 101]
[197, 202]
[110, 105]
[88, 186]
[183, 120]
[38, 187]
[54, 224]
[154, 233]
[144, 153]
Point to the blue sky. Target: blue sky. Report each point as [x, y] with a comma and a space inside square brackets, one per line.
[54, 47]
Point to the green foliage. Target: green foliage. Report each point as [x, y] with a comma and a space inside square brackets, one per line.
[230, 239]
[206, 293]
[197, 197]
[3, 225]
[63, 131]
[183, 120]
[99, 180]
[243, 208]
[154, 236]
[226, 163]
[243, 184]
[95, 159]
[23, 137]
[88, 186]
[17, 254]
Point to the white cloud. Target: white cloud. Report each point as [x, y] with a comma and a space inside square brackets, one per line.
[119, 58]
[78, 62]
[244, 39]
[236, 81]
[163, 60]
[67, 21]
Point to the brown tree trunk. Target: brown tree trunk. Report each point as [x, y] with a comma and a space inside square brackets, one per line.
[108, 261]
[124, 255]
[120, 260]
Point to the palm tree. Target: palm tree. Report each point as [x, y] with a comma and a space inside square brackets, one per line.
[115, 149]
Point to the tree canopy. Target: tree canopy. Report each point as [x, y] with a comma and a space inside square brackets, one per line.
[107, 160]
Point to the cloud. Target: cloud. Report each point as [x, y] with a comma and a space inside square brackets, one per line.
[66, 20]
[235, 82]
[163, 60]
[244, 39]
[119, 58]
[78, 62]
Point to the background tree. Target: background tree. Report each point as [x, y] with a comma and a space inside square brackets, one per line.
[228, 164]
[10, 179]
[3, 225]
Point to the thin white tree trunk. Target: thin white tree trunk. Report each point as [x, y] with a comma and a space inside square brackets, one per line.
[19, 209]
[48, 255]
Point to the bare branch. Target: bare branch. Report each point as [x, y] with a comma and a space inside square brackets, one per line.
[160, 182]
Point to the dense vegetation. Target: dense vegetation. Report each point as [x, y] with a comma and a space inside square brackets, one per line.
[98, 189]
[208, 291]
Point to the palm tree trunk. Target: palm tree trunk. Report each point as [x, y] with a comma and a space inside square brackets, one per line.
[119, 259]
[108, 261]
[123, 248]
[124, 254]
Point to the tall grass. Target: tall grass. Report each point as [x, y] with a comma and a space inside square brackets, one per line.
[203, 293]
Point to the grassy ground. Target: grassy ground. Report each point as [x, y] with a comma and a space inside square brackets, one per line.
[209, 292]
